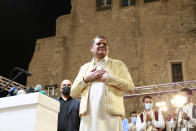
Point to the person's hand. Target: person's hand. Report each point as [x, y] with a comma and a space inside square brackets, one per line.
[103, 77]
[185, 116]
[148, 118]
[93, 75]
[174, 116]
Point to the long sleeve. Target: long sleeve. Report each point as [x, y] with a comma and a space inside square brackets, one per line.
[189, 109]
[160, 123]
[140, 126]
[79, 85]
[122, 78]
[192, 120]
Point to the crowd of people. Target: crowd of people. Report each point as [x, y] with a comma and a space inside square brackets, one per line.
[183, 119]
[100, 84]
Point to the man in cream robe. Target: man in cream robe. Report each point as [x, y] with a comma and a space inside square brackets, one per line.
[101, 83]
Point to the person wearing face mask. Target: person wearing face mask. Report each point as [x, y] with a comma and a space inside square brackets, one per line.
[149, 120]
[168, 123]
[133, 117]
[68, 117]
[186, 115]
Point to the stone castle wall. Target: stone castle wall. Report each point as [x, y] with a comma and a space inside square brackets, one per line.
[147, 37]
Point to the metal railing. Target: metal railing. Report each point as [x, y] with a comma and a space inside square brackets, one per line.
[4, 81]
[161, 88]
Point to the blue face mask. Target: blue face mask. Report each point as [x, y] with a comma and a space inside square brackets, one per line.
[148, 106]
[133, 120]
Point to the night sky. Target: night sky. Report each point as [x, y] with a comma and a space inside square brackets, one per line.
[21, 23]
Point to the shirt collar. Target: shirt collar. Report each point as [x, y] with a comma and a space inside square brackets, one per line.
[148, 111]
[104, 59]
[68, 99]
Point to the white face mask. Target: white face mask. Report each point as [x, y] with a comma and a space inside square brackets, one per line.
[168, 123]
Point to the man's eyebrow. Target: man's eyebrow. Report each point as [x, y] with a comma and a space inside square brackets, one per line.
[66, 84]
[101, 43]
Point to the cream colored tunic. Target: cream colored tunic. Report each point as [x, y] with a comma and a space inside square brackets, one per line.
[97, 119]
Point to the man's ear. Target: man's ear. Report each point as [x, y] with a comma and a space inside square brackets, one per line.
[91, 48]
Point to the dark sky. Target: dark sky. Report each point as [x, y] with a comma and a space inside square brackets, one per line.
[21, 23]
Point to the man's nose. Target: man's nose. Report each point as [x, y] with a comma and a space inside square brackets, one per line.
[102, 45]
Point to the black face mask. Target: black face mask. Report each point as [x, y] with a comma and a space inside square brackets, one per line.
[66, 90]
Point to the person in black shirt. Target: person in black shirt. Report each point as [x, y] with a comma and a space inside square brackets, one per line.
[68, 117]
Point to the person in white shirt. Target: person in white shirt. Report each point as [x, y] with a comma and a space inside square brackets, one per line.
[133, 118]
[185, 119]
[149, 120]
[168, 123]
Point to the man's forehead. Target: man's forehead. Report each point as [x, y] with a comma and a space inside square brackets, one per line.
[99, 40]
[66, 82]
[148, 99]
[183, 93]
